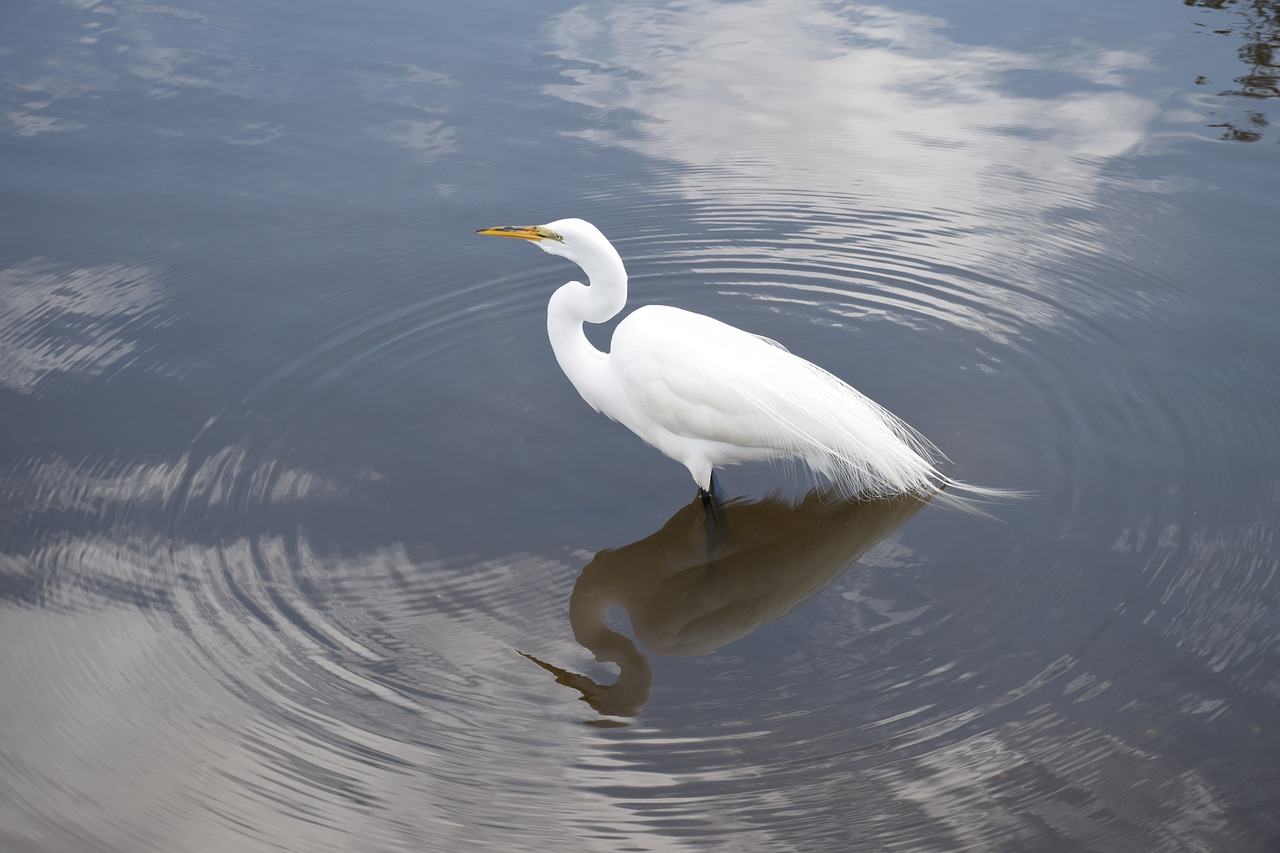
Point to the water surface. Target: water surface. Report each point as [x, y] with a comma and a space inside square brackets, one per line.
[306, 543]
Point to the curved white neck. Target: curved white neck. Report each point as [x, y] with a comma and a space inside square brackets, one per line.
[576, 303]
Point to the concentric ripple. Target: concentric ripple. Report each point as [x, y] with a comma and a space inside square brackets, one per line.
[328, 643]
[306, 543]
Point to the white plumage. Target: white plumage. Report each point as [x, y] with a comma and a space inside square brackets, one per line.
[708, 394]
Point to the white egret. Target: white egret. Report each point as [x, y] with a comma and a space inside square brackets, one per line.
[708, 394]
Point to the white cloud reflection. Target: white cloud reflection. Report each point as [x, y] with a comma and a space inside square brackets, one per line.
[252, 734]
[217, 71]
[784, 103]
[377, 697]
[60, 319]
[409, 88]
[29, 124]
[264, 692]
[219, 479]
[428, 140]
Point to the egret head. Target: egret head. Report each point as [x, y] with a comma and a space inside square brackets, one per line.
[574, 239]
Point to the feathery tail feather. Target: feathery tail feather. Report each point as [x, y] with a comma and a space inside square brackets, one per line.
[858, 444]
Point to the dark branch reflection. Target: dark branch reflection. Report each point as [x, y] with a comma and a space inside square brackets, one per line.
[1260, 53]
[689, 591]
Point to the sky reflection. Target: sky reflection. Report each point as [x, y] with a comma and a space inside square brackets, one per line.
[768, 101]
[58, 319]
[228, 719]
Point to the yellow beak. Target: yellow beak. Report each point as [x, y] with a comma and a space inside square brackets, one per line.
[522, 232]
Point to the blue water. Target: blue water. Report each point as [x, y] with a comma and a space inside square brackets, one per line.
[307, 544]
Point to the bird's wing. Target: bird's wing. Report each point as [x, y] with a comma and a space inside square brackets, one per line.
[682, 370]
[697, 377]
[771, 342]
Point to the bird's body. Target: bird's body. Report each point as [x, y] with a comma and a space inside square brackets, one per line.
[708, 394]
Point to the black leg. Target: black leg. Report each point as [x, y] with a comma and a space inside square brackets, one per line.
[711, 499]
[708, 501]
[711, 506]
[710, 520]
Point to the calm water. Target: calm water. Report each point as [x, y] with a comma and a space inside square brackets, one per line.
[306, 544]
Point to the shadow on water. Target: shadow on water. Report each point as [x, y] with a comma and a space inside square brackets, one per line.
[687, 593]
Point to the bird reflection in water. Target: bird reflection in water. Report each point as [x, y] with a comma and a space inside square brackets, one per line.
[687, 594]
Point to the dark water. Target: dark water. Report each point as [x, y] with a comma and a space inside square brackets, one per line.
[306, 544]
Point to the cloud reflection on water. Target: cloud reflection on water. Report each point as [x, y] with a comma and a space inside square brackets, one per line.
[218, 75]
[785, 106]
[79, 321]
[196, 724]
[268, 681]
